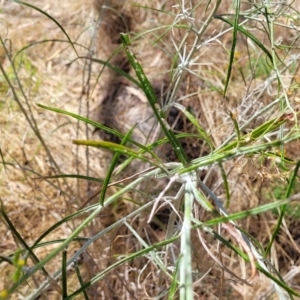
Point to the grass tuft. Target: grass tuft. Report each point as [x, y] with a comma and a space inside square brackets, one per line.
[162, 159]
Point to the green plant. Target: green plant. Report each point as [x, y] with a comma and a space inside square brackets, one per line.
[187, 196]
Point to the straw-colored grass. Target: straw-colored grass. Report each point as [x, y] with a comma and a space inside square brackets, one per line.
[54, 73]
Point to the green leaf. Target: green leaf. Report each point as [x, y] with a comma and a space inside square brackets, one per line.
[148, 90]
[202, 133]
[112, 167]
[117, 148]
[99, 126]
[233, 45]
[249, 35]
[174, 282]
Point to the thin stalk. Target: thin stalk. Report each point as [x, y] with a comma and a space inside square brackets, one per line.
[199, 35]
[185, 271]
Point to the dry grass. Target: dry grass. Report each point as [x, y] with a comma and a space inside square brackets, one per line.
[51, 74]
[35, 205]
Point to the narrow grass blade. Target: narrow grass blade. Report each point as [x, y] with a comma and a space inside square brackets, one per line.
[155, 145]
[249, 35]
[98, 126]
[223, 156]
[280, 160]
[174, 283]
[145, 7]
[41, 245]
[87, 243]
[19, 238]
[225, 185]
[289, 290]
[236, 125]
[283, 209]
[56, 225]
[233, 45]
[202, 133]
[115, 69]
[64, 278]
[2, 158]
[152, 254]
[80, 279]
[43, 42]
[40, 264]
[117, 148]
[148, 90]
[280, 282]
[91, 210]
[112, 167]
[185, 269]
[50, 17]
[201, 199]
[257, 132]
[216, 221]
[119, 262]
[76, 176]
[28, 116]
[251, 212]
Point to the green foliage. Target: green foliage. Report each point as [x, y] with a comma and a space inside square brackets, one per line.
[265, 141]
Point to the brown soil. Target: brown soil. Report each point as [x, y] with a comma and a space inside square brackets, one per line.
[51, 74]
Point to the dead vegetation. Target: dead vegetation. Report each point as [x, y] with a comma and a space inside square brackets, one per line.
[51, 74]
